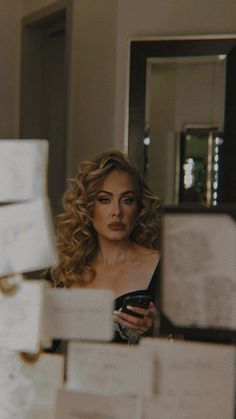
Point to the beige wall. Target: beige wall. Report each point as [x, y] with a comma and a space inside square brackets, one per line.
[91, 78]
[31, 6]
[101, 33]
[93, 67]
[10, 12]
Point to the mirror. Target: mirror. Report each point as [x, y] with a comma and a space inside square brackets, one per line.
[182, 118]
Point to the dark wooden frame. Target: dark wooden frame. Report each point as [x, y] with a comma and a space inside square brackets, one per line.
[140, 51]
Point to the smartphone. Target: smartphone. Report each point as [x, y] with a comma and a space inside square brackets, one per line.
[140, 300]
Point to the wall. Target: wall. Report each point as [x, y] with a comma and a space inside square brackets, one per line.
[93, 68]
[31, 6]
[10, 12]
[91, 78]
[102, 30]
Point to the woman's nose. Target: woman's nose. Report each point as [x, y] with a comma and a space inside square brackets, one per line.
[117, 209]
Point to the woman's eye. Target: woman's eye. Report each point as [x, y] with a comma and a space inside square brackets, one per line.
[103, 200]
[128, 200]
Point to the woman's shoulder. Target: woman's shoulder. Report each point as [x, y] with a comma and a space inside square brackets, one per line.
[153, 255]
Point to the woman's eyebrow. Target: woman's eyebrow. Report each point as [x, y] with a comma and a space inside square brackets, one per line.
[128, 192]
[106, 192]
[111, 193]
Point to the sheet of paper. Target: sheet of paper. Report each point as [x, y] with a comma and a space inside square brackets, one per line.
[199, 270]
[28, 391]
[73, 404]
[23, 169]
[26, 237]
[79, 314]
[21, 317]
[109, 369]
[192, 380]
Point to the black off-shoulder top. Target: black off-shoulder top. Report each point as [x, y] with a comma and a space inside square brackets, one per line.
[151, 290]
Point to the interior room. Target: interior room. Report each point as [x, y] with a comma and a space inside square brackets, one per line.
[155, 81]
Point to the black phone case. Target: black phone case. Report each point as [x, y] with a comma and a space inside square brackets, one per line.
[136, 301]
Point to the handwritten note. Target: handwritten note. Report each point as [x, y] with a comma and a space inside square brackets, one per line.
[23, 169]
[26, 237]
[46, 376]
[109, 369]
[73, 404]
[29, 390]
[20, 317]
[78, 314]
[199, 264]
[192, 380]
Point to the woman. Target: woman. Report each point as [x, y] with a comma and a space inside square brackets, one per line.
[108, 237]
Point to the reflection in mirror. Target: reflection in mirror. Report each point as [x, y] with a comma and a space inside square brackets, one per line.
[199, 161]
[180, 92]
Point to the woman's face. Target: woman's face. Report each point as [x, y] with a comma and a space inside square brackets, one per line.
[115, 208]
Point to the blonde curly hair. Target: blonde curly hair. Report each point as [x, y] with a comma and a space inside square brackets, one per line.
[76, 237]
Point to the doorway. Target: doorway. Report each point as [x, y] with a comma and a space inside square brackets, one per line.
[43, 108]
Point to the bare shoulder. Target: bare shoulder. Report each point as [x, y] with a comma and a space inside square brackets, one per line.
[151, 255]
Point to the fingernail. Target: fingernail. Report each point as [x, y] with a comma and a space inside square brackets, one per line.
[115, 312]
[130, 308]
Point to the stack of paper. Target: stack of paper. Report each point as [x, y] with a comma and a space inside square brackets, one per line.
[28, 391]
[105, 381]
[26, 228]
[23, 169]
[73, 404]
[199, 270]
[21, 317]
[78, 314]
[109, 369]
[192, 380]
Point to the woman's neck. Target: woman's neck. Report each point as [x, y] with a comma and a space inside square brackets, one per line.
[112, 252]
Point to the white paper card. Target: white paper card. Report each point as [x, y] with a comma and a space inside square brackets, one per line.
[193, 380]
[20, 317]
[73, 404]
[199, 270]
[79, 314]
[23, 169]
[109, 369]
[26, 237]
[28, 391]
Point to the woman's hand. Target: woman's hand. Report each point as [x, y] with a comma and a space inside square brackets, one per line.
[139, 325]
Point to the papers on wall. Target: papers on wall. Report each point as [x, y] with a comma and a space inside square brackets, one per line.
[109, 369]
[73, 404]
[20, 317]
[78, 314]
[23, 169]
[26, 237]
[193, 380]
[29, 390]
[199, 270]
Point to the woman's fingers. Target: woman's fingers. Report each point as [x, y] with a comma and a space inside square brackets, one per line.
[141, 325]
[136, 327]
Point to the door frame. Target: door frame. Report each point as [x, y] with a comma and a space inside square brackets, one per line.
[55, 18]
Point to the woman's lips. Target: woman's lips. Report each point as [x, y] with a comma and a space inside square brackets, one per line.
[116, 226]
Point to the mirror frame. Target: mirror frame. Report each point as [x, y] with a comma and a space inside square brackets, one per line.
[175, 46]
